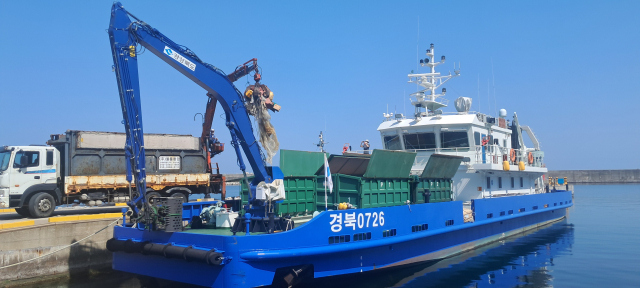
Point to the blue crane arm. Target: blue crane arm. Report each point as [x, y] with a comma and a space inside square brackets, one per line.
[125, 35]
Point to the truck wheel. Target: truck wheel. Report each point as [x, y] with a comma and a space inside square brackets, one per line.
[42, 205]
[181, 195]
[150, 196]
[23, 211]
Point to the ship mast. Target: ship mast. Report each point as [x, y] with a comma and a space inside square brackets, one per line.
[430, 81]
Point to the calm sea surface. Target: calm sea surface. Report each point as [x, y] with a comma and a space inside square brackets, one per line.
[598, 245]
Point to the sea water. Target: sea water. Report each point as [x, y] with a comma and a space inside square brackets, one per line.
[598, 245]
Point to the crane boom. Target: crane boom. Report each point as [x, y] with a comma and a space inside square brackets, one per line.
[125, 36]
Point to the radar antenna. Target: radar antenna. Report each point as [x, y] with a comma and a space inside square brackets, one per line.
[321, 143]
[430, 81]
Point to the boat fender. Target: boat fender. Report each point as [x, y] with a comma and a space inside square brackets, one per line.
[214, 258]
[505, 166]
[174, 252]
[521, 165]
[153, 249]
[128, 246]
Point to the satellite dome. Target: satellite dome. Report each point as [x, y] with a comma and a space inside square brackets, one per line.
[463, 104]
[503, 113]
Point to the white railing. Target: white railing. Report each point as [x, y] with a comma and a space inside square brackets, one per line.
[455, 150]
[495, 154]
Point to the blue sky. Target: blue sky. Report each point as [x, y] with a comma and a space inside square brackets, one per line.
[570, 69]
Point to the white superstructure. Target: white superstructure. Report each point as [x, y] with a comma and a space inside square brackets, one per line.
[497, 163]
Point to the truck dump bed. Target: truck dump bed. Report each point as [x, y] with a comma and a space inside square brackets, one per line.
[96, 160]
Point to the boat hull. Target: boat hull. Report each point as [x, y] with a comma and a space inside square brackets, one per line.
[394, 241]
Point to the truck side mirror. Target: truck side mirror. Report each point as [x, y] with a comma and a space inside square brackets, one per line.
[21, 162]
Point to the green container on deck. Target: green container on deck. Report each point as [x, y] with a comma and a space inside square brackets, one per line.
[300, 193]
[379, 179]
[434, 184]
[431, 190]
[299, 169]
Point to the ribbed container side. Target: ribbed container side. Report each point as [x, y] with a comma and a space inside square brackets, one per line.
[333, 199]
[300, 194]
[363, 192]
[385, 192]
[431, 191]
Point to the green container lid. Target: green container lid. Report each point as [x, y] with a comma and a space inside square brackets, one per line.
[300, 163]
[390, 164]
[441, 166]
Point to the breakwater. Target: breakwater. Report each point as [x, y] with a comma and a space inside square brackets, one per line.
[598, 176]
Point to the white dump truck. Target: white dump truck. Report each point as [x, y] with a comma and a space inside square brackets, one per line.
[90, 167]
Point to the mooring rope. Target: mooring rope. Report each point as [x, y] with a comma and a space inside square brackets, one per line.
[60, 249]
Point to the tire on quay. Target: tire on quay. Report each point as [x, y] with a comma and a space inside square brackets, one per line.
[41, 205]
[24, 212]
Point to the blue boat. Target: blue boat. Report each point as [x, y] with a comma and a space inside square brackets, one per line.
[389, 209]
[386, 239]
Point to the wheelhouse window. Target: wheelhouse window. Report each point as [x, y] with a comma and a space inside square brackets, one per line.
[476, 137]
[392, 142]
[454, 139]
[420, 141]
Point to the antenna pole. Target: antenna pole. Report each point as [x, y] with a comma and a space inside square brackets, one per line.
[495, 106]
[489, 95]
[479, 92]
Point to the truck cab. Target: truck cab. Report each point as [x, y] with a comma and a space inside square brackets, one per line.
[29, 179]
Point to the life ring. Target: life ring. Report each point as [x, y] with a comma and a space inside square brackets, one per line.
[512, 155]
[345, 149]
[530, 158]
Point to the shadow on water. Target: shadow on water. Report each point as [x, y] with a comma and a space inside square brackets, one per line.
[521, 261]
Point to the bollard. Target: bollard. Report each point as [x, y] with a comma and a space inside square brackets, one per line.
[247, 219]
[124, 216]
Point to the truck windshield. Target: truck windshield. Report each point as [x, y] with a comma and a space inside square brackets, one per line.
[4, 160]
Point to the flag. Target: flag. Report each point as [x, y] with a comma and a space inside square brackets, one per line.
[328, 182]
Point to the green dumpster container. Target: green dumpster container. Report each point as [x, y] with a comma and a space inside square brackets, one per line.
[299, 169]
[435, 184]
[345, 189]
[377, 180]
[431, 190]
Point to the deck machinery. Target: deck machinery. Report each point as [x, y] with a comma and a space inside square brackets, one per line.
[126, 37]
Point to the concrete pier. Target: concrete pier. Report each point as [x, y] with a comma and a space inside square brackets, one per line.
[24, 243]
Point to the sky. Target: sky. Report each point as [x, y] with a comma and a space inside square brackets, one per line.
[570, 69]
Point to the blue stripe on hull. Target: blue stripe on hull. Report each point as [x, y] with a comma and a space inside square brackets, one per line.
[256, 257]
